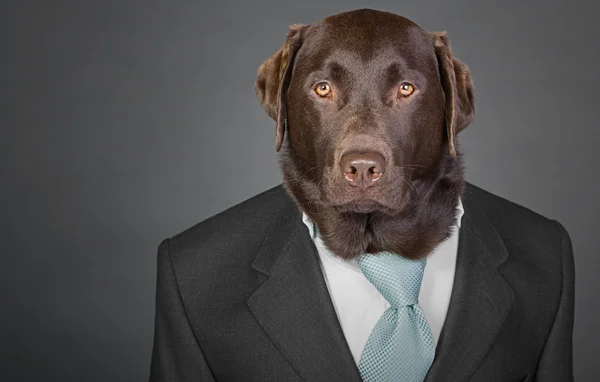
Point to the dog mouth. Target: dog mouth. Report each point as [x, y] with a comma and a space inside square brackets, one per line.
[389, 198]
[365, 206]
[359, 205]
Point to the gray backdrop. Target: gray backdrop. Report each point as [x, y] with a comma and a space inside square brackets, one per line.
[124, 122]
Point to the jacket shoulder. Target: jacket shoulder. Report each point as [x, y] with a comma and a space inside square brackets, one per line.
[506, 214]
[537, 242]
[230, 237]
[240, 217]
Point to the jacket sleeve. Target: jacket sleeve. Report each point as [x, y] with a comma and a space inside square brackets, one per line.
[556, 361]
[176, 354]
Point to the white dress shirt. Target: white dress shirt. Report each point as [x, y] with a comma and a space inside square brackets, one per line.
[359, 305]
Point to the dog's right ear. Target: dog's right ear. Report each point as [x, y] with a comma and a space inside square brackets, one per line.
[273, 80]
[458, 88]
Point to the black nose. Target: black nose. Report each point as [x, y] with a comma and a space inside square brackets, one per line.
[362, 169]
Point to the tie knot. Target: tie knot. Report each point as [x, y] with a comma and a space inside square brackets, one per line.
[398, 279]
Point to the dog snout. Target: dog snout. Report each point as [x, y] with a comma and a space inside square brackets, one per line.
[362, 169]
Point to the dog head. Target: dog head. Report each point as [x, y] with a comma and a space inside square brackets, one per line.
[370, 104]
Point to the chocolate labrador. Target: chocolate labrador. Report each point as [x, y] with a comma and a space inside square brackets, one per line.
[367, 107]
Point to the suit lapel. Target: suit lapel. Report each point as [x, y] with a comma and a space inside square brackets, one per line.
[294, 307]
[480, 301]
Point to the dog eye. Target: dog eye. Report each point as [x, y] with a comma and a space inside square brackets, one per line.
[323, 89]
[406, 89]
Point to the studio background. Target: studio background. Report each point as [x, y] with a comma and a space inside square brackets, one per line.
[125, 122]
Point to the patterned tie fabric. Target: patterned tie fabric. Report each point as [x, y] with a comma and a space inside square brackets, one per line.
[401, 346]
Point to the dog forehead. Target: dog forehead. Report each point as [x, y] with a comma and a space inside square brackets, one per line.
[368, 35]
[369, 20]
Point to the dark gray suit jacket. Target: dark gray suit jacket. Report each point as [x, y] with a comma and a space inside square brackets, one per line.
[241, 297]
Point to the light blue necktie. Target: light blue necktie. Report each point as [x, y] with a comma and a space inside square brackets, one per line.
[400, 347]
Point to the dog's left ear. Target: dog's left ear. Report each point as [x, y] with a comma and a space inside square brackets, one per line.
[273, 79]
[458, 88]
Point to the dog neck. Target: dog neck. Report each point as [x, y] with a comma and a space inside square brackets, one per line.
[425, 221]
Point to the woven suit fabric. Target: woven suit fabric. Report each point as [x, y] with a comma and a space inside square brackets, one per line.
[401, 345]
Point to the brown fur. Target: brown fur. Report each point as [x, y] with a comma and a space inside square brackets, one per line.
[365, 55]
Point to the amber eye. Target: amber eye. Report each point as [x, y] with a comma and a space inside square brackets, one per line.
[406, 89]
[323, 89]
